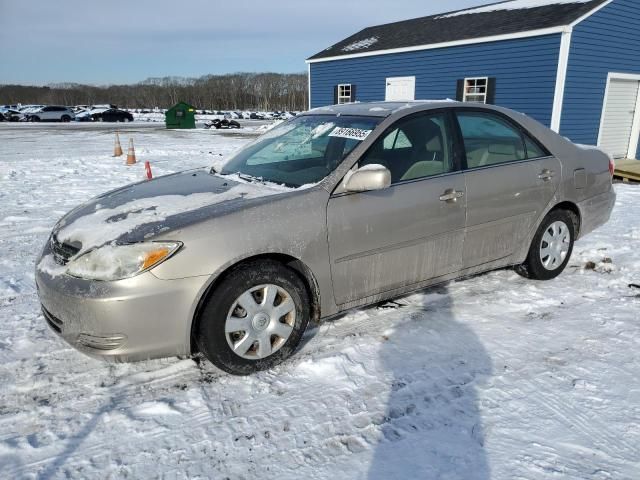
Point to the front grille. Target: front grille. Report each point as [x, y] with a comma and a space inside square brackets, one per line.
[62, 252]
[54, 322]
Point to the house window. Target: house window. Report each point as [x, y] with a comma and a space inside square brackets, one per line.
[344, 93]
[475, 89]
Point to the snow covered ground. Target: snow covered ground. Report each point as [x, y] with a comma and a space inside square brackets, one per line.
[491, 377]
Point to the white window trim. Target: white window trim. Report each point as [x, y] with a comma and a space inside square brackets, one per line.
[635, 129]
[475, 79]
[347, 97]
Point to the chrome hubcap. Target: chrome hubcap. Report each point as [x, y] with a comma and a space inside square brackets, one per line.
[260, 321]
[555, 245]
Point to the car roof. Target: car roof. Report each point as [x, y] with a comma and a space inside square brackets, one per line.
[380, 109]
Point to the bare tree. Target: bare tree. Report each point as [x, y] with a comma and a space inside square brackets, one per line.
[244, 91]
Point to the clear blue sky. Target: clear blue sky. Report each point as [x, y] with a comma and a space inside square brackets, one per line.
[123, 41]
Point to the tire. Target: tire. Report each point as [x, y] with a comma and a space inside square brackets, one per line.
[65, 118]
[546, 260]
[35, 119]
[222, 311]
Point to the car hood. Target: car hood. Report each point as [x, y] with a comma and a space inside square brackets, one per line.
[144, 210]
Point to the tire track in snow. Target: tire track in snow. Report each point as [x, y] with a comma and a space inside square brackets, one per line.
[138, 388]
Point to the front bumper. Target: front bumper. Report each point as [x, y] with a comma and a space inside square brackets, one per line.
[128, 320]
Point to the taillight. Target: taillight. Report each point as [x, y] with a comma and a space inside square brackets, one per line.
[612, 166]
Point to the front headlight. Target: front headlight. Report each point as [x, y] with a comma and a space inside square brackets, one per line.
[116, 262]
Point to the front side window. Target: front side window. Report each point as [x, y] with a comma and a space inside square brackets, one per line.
[303, 150]
[344, 94]
[489, 140]
[416, 147]
[475, 90]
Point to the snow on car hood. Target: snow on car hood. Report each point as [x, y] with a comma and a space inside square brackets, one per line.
[141, 211]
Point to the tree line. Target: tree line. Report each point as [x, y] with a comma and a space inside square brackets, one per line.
[245, 91]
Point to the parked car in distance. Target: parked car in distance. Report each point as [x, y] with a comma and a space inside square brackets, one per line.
[12, 115]
[52, 113]
[86, 114]
[112, 115]
[224, 123]
[340, 207]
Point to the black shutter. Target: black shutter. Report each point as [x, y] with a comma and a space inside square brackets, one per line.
[353, 93]
[335, 95]
[491, 91]
[460, 90]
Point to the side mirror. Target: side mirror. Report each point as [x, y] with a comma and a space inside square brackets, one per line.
[368, 178]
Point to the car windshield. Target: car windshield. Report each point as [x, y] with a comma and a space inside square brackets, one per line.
[301, 151]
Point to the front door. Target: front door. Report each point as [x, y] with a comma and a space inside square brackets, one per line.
[410, 232]
[510, 179]
[400, 89]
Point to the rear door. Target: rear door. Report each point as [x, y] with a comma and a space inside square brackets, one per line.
[510, 179]
[410, 232]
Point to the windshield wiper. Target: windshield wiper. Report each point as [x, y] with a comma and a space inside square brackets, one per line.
[251, 178]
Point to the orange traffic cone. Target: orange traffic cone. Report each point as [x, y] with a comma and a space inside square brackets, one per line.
[147, 168]
[131, 154]
[117, 149]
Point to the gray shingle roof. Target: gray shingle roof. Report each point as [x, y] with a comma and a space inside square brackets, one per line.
[464, 25]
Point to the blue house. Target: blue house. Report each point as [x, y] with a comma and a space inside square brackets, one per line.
[574, 65]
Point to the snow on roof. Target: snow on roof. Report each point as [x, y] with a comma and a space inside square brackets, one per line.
[510, 5]
[360, 44]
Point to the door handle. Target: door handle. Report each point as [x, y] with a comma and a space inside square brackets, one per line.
[450, 195]
[546, 175]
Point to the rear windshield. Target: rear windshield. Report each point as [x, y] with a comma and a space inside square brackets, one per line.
[301, 151]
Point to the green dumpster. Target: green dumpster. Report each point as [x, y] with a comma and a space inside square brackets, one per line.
[181, 115]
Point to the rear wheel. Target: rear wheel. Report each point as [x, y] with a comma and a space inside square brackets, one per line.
[254, 319]
[551, 247]
[66, 118]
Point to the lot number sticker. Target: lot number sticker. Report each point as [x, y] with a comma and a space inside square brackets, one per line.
[350, 133]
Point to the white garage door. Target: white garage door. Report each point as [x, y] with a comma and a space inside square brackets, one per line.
[619, 114]
[400, 89]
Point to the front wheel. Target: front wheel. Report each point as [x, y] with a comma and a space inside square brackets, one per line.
[254, 319]
[551, 247]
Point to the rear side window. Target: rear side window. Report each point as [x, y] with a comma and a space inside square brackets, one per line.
[489, 140]
[533, 149]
